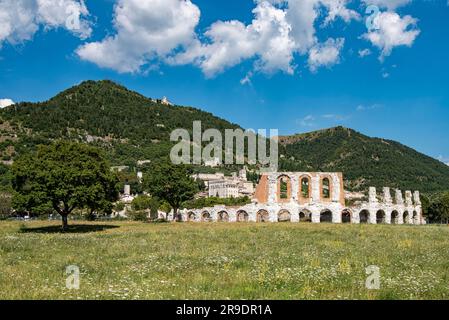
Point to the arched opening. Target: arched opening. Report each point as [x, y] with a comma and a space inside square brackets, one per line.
[406, 217]
[394, 217]
[326, 216]
[415, 218]
[346, 216]
[205, 217]
[223, 216]
[284, 189]
[380, 217]
[305, 187]
[284, 216]
[263, 216]
[242, 216]
[326, 188]
[191, 216]
[364, 216]
[305, 216]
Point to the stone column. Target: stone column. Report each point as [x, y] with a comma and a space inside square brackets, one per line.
[398, 196]
[373, 195]
[294, 180]
[408, 198]
[316, 192]
[417, 198]
[336, 192]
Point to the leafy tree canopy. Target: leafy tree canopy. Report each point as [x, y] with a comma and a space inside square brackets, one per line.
[63, 176]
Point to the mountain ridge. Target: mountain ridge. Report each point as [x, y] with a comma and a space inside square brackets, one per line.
[132, 127]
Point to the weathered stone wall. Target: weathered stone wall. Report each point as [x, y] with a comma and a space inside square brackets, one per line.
[379, 208]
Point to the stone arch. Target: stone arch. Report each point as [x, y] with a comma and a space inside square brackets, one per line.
[346, 216]
[284, 188]
[406, 218]
[242, 216]
[364, 216]
[395, 217]
[223, 216]
[326, 216]
[326, 188]
[305, 215]
[205, 216]
[415, 217]
[263, 216]
[381, 217]
[284, 216]
[191, 216]
[305, 187]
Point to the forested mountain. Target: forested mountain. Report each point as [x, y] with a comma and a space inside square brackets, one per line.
[131, 127]
[365, 161]
[127, 125]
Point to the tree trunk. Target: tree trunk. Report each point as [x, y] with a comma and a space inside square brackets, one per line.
[64, 222]
[175, 215]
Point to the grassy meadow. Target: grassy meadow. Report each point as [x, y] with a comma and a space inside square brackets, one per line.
[132, 260]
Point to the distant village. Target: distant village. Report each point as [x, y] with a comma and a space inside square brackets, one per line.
[217, 184]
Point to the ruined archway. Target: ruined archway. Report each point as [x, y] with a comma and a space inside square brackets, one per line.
[205, 217]
[416, 218]
[284, 216]
[406, 217]
[284, 189]
[263, 216]
[326, 189]
[191, 216]
[305, 188]
[364, 216]
[326, 216]
[305, 216]
[346, 216]
[380, 217]
[223, 216]
[394, 217]
[242, 216]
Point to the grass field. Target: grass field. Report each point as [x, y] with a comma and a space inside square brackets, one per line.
[129, 260]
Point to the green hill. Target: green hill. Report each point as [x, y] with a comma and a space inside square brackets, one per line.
[365, 161]
[127, 125]
[131, 127]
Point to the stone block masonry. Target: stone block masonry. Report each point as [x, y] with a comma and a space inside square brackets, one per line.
[315, 197]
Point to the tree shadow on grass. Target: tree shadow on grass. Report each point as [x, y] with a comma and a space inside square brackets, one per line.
[77, 228]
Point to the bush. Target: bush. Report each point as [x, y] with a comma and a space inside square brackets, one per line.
[137, 215]
[5, 206]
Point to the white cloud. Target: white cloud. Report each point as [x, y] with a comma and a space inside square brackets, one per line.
[393, 31]
[326, 54]
[231, 42]
[369, 107]
[5, 103]
[389, 4]
[364, 53]
[153, 31]
[145, 30]
[21, 19]
[307, 121]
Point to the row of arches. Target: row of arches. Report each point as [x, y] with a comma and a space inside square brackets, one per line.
[326, 216]
[284, 187]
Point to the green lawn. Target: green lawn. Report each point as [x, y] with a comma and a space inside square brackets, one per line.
[130, 260]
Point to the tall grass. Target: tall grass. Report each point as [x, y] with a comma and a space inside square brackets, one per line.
[132, 260]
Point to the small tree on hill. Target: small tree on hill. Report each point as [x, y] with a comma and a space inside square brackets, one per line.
[172, 183]
[64, 176]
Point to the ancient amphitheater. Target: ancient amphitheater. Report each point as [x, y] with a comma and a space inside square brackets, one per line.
[314, 197]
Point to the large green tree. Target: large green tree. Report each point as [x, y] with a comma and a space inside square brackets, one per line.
[63, 176]
[172, 183]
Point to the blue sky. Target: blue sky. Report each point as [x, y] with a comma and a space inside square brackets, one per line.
[295, 71]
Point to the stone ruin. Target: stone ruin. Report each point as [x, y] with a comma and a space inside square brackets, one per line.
[314, 197]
